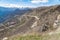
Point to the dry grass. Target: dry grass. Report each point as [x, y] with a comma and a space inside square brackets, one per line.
[37, 37]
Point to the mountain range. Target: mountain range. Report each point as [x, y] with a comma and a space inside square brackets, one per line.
[5, 13]
[28, 21]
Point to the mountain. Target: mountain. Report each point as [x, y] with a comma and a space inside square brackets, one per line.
[37, 20]
[5, 13]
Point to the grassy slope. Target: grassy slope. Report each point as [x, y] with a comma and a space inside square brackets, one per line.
[37, 37]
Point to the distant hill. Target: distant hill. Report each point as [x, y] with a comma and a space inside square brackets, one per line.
[8, 12]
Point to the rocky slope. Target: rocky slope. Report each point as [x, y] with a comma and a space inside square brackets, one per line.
[39, 20]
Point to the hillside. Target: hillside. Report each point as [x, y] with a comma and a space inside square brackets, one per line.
[41, 21]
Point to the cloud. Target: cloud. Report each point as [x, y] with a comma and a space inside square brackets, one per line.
[15, 5]
[39, 1]
[9, 5]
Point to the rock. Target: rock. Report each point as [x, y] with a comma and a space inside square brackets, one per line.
[5, 38]
[57, 22]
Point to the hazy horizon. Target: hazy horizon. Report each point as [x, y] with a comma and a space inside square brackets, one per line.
[28, 3]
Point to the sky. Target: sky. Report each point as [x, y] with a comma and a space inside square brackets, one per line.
[28, 3]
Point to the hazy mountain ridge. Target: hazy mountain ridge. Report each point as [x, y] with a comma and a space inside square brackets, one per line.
[5, 13]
